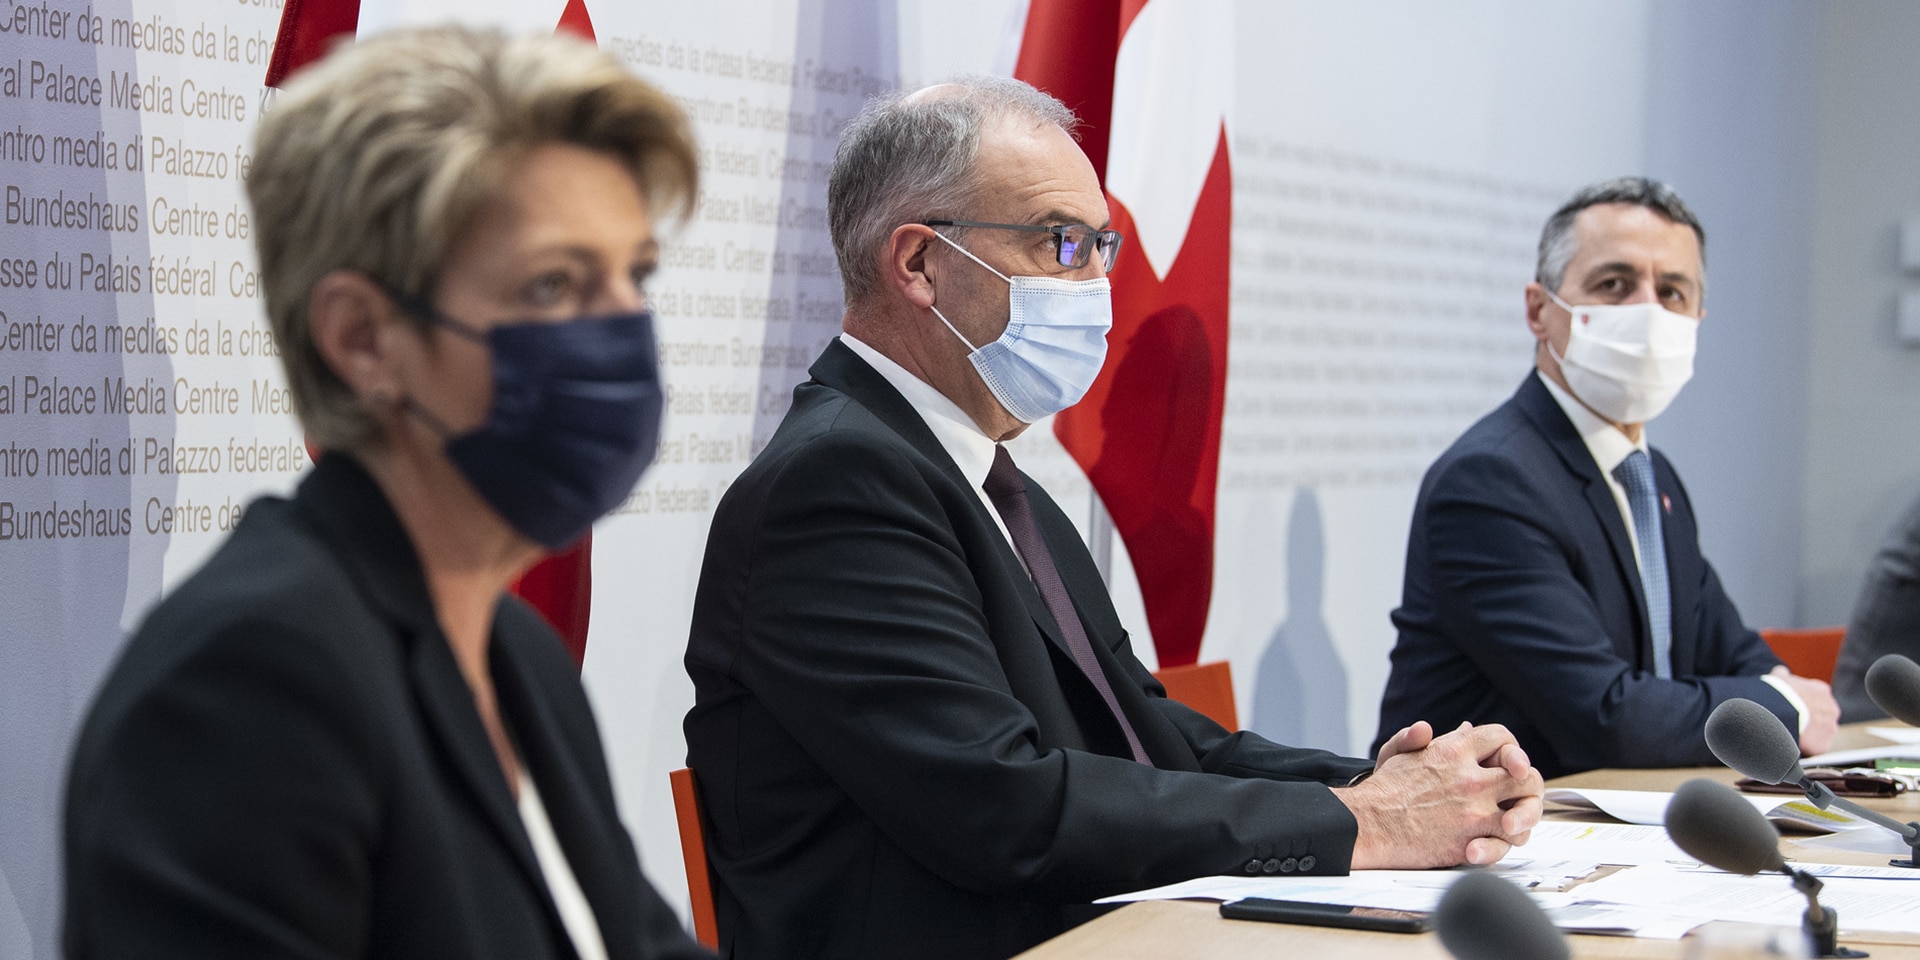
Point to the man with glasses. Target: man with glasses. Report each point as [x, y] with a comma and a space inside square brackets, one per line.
[919, 730]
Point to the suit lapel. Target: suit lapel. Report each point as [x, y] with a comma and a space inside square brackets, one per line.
[348, 510]
[447, 703]
[1544, 412]
[565, 789]
[843, 370]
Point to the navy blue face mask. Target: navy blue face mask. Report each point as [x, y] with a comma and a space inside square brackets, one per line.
[574, 421]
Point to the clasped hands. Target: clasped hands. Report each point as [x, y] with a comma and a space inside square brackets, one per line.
[1467, 796]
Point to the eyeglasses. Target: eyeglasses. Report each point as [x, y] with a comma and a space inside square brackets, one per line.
[1074, 243]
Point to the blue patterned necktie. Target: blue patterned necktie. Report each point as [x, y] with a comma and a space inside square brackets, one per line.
[1636, 474]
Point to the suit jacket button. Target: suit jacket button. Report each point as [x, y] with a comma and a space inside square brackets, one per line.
[1289, 865]
[1307, 864]
[1253, 866]
[1271, 866]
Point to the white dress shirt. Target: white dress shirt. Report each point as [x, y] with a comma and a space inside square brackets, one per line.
[576, 914]
[1609, 446]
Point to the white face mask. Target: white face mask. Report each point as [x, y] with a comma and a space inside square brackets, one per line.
[1627, 361]
[1054, 344]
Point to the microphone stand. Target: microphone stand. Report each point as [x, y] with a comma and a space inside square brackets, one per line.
[1821, 924]
[1822, 796]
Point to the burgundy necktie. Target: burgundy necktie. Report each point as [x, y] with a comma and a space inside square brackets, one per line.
[1008, 491]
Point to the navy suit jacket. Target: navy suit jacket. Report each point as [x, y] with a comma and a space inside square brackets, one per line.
[1523, 606]
[896, 753]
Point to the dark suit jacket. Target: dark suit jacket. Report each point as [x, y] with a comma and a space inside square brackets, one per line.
[1523, 606]
[286, 762]
[898, 757]
[1886, 618]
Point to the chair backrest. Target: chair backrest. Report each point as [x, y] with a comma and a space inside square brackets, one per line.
[1809, 653]
[693, 850]
[1206, 687]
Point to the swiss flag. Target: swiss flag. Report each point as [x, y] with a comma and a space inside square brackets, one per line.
[1152, 82]
[560, 586]
[309, 28]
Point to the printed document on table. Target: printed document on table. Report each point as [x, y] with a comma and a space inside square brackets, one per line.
[1394, 888]
[1650, 807]
[1886, 905]
[1422, 889]
[1864, 755]
[1897, 734]
[1617, 843]
[1877, 841]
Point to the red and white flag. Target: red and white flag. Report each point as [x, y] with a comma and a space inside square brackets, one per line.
[560, 586]
[1152, 81]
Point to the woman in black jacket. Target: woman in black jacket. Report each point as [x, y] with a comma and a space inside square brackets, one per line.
[341, 737]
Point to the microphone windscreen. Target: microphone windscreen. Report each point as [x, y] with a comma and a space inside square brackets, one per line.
[1719, 828]
[1749, 738]
[1894, 684]
[1483, 917]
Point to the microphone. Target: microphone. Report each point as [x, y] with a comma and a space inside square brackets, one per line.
[1719, 828]
[1894, 684]
[1749, 738]
[1483, 917]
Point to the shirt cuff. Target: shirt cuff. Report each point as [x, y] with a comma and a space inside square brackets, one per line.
[1793, 699]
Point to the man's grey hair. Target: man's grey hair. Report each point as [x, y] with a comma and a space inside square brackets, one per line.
[1557, 244]
[909, 158]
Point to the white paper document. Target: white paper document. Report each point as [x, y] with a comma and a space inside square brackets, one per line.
[1864, 755]
[1422, 889]
[1897, 734]
[1887, 905]
[1616, 843]
[1650, 807]
[1878, 840]
[1396, 889]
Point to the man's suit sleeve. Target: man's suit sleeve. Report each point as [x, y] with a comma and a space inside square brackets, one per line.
[868, 642]
[226, 810]
[1236, 753]
[1505, 588]
[1243, 753]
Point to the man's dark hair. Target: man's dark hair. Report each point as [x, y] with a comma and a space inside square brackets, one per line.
[1556, 238]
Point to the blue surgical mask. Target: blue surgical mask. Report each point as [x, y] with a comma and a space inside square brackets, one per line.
[574, 420]
[1054, 344]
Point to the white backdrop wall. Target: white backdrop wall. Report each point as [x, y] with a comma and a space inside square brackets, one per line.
[1862, 467]
[1730, 103]
[1392, 163]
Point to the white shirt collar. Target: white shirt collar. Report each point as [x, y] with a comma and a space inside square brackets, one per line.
[962, 439]
[1604, 440]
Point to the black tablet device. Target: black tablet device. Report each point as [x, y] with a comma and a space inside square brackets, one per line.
[1327, 915]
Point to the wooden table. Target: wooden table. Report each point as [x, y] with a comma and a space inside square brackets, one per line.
[1193, 929]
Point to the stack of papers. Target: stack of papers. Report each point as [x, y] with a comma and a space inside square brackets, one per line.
[1650, 807]
[1905, 746]
[1661, 894]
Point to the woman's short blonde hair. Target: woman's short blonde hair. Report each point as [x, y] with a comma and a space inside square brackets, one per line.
[378, 158]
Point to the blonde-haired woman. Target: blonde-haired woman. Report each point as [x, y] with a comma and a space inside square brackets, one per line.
[340, 738]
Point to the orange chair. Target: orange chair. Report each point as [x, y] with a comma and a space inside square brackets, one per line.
[693, 850]
[1208, 688]
[1809, 653]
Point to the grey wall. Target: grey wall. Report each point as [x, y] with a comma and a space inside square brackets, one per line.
[1861, 463]
[1730, 103]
